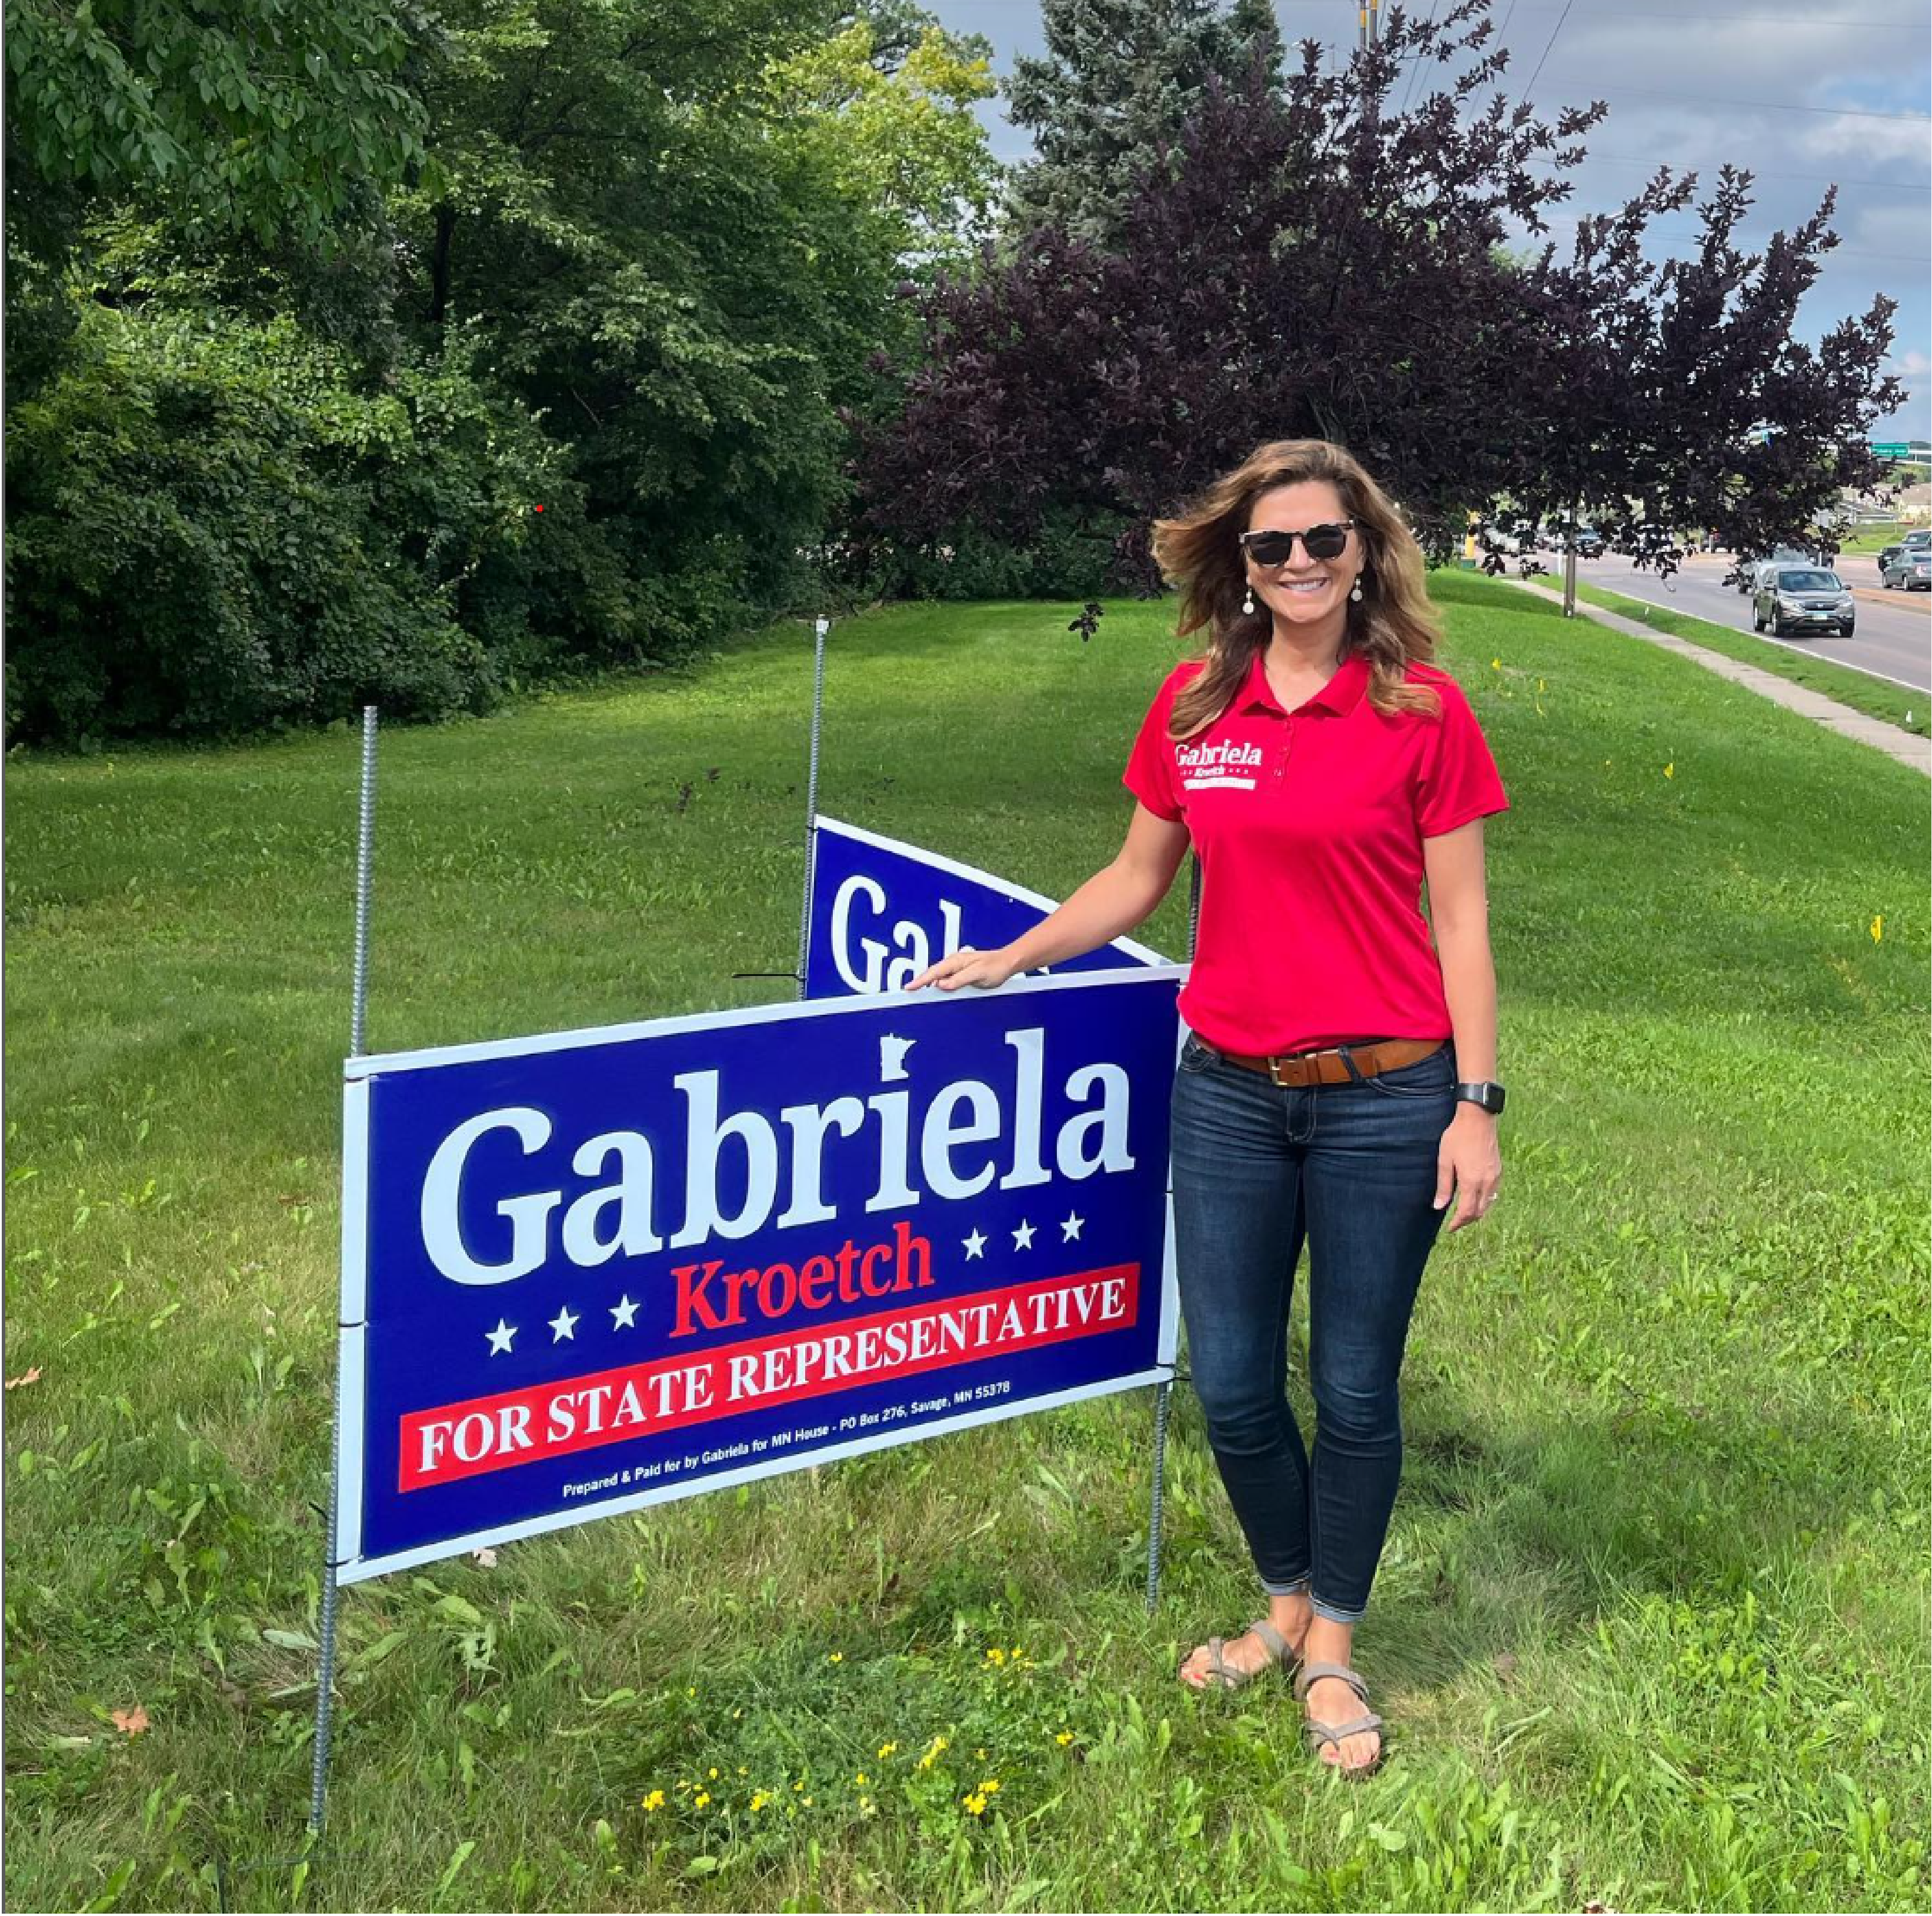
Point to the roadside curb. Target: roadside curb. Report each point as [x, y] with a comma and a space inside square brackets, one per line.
[1904, 747]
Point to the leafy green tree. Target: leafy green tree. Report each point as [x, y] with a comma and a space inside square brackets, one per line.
[255, 115]
[212, 529]
[674, 228]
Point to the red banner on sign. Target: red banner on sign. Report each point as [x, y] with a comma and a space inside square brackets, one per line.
[483, 1433]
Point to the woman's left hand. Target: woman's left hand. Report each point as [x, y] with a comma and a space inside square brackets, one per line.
[1471, 1160]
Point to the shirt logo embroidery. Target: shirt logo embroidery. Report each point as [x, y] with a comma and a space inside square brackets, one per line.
[1210, 767]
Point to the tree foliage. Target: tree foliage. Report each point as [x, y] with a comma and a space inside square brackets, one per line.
[1307, 260]
[255, 115]
[594, 343]
[1118, 81]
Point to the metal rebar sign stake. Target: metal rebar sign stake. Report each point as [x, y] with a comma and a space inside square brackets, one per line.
[1163, 1392]
[325, 1680]
[811, 799]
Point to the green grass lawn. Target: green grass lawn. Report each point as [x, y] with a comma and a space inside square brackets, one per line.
[1651, 1627]
[1877, 698]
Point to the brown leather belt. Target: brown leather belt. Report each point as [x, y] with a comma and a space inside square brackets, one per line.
[1294, 1070]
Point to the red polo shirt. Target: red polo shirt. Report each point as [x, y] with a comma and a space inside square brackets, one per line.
[1309, 825]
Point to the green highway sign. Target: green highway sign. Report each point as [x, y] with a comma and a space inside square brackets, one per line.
[1891, 449]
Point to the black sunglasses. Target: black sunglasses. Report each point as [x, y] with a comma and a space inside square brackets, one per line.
[1274, 548]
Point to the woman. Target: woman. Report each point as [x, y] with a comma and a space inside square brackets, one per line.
[1337, 1081]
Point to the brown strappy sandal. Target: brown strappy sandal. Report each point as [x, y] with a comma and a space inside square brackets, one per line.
[1227, 1676]
[1317, 1734]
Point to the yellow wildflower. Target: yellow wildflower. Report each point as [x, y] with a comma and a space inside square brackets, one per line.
[700, 1799]
[837, 1656]
[996, 1656]
[808, 1802]
[1065, 1737]
[1670, 770]
[981, 1755]
[866, 1804]
[888, 1749]
[975, 1803]
[713, 1772]
[759, 1800]
[990, 1787]
[860, 1778]
[743, 1771]
[691, 1690]
[799, 1785]
[1496, 665]
[656, 1800]
[932, 1752]
[1878, 928]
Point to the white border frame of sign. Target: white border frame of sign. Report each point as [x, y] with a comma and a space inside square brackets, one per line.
[351, 1568]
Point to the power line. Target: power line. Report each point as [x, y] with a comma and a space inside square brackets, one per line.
[1912, 187]
[1744, 19]
[1415, 65]
[1772, 106]
[1553, 32]
[1657, 228]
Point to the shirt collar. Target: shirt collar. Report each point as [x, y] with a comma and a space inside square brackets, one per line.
[1338, 698]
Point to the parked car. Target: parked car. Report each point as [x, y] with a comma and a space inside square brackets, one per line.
[1589, 540]
[1778, 555]
[1909, 567]
[1803, 598]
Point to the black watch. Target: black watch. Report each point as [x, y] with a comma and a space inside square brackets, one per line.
[1489, 1096]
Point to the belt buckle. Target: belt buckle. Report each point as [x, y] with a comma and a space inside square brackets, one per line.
[1296, 1058]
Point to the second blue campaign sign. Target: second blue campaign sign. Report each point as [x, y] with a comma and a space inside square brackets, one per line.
[881, 911]
[596, 1270]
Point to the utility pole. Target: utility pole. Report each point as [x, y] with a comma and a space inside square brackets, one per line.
[1369, 13]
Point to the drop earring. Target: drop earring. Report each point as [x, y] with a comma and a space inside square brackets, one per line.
[1355, 593]
[1248, 603]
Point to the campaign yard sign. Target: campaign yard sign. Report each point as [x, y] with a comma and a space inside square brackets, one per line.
[597, 1270]
[880, 912]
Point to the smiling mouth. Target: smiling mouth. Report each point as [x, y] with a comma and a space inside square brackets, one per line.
[1306, 588]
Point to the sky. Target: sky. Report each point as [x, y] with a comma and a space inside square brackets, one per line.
[1803, 93]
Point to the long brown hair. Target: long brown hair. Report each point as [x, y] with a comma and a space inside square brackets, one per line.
[1199, 551]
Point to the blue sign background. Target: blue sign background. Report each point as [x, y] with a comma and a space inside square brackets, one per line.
[416, 1341]
[880, 912]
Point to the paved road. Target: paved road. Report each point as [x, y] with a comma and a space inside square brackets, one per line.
[1894, 639]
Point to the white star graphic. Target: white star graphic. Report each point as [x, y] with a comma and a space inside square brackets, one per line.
[1071, 1227]
[974, 1244]
[1023, 1237]
[562, 1326]
[499, 1338]
[623, 1315]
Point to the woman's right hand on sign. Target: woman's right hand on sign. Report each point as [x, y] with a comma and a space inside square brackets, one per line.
[966, 966]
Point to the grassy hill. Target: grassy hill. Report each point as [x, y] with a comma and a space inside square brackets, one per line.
[1651, 1626]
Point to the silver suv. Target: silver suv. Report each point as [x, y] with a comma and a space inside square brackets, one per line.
[1802, 599]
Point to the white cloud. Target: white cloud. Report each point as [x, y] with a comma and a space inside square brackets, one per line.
[1873, 144]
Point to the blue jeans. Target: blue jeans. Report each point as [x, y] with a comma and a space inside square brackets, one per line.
[1352, 1168]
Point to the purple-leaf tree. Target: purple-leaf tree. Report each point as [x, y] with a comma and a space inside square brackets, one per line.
[1310, 261]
